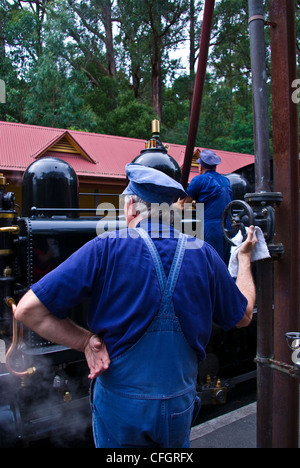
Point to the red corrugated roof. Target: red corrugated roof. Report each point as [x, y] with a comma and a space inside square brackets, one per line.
[95, 155]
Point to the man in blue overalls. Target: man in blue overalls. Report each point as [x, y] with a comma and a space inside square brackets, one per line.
[154, 294]
[214, 190]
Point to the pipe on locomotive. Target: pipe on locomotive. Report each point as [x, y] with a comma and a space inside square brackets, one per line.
[16, 342]
[198, 89]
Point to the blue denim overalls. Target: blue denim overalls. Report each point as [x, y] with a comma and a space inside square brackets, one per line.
[147, 396]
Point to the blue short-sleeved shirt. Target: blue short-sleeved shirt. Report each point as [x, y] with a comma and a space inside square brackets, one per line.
[116, 271]
[214, 190]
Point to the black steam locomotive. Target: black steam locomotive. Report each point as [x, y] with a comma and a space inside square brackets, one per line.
[44, 389]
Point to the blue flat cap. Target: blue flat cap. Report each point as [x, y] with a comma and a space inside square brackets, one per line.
[151, 185]
[208, 158]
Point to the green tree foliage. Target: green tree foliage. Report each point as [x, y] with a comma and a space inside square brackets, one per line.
[53, 104]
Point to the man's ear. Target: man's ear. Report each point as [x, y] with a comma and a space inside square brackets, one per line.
[132, 211]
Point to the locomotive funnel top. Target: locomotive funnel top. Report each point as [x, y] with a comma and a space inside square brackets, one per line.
[50, 183]
[155, 155]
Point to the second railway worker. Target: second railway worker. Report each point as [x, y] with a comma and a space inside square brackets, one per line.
[214, 190]
[154, 294]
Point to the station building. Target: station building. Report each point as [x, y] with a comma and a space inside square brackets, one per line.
[98, 160]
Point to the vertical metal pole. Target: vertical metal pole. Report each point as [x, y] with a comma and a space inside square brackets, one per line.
[198, 90]
[260, 95]
[264, 270]
[286, 180]
[264, 287]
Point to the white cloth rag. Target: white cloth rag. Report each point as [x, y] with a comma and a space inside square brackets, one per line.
[260, 250]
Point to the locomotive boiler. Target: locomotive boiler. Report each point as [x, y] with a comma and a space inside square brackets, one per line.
[44, 388]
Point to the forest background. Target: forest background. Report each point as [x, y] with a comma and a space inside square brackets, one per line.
[111, 66]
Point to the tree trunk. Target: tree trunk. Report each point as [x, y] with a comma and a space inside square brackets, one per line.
[192, 51]
[136, 79]
[2, 42]
[156, 87]
[109, 42]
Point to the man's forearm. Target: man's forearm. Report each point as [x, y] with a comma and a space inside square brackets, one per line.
[246, 285]
[32, 313]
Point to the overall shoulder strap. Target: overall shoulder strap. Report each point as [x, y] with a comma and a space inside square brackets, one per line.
[174, 273]
[167, 286]
[155, 257]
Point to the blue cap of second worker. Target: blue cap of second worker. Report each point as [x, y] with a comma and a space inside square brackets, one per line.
[208, 158]
[152, 185]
